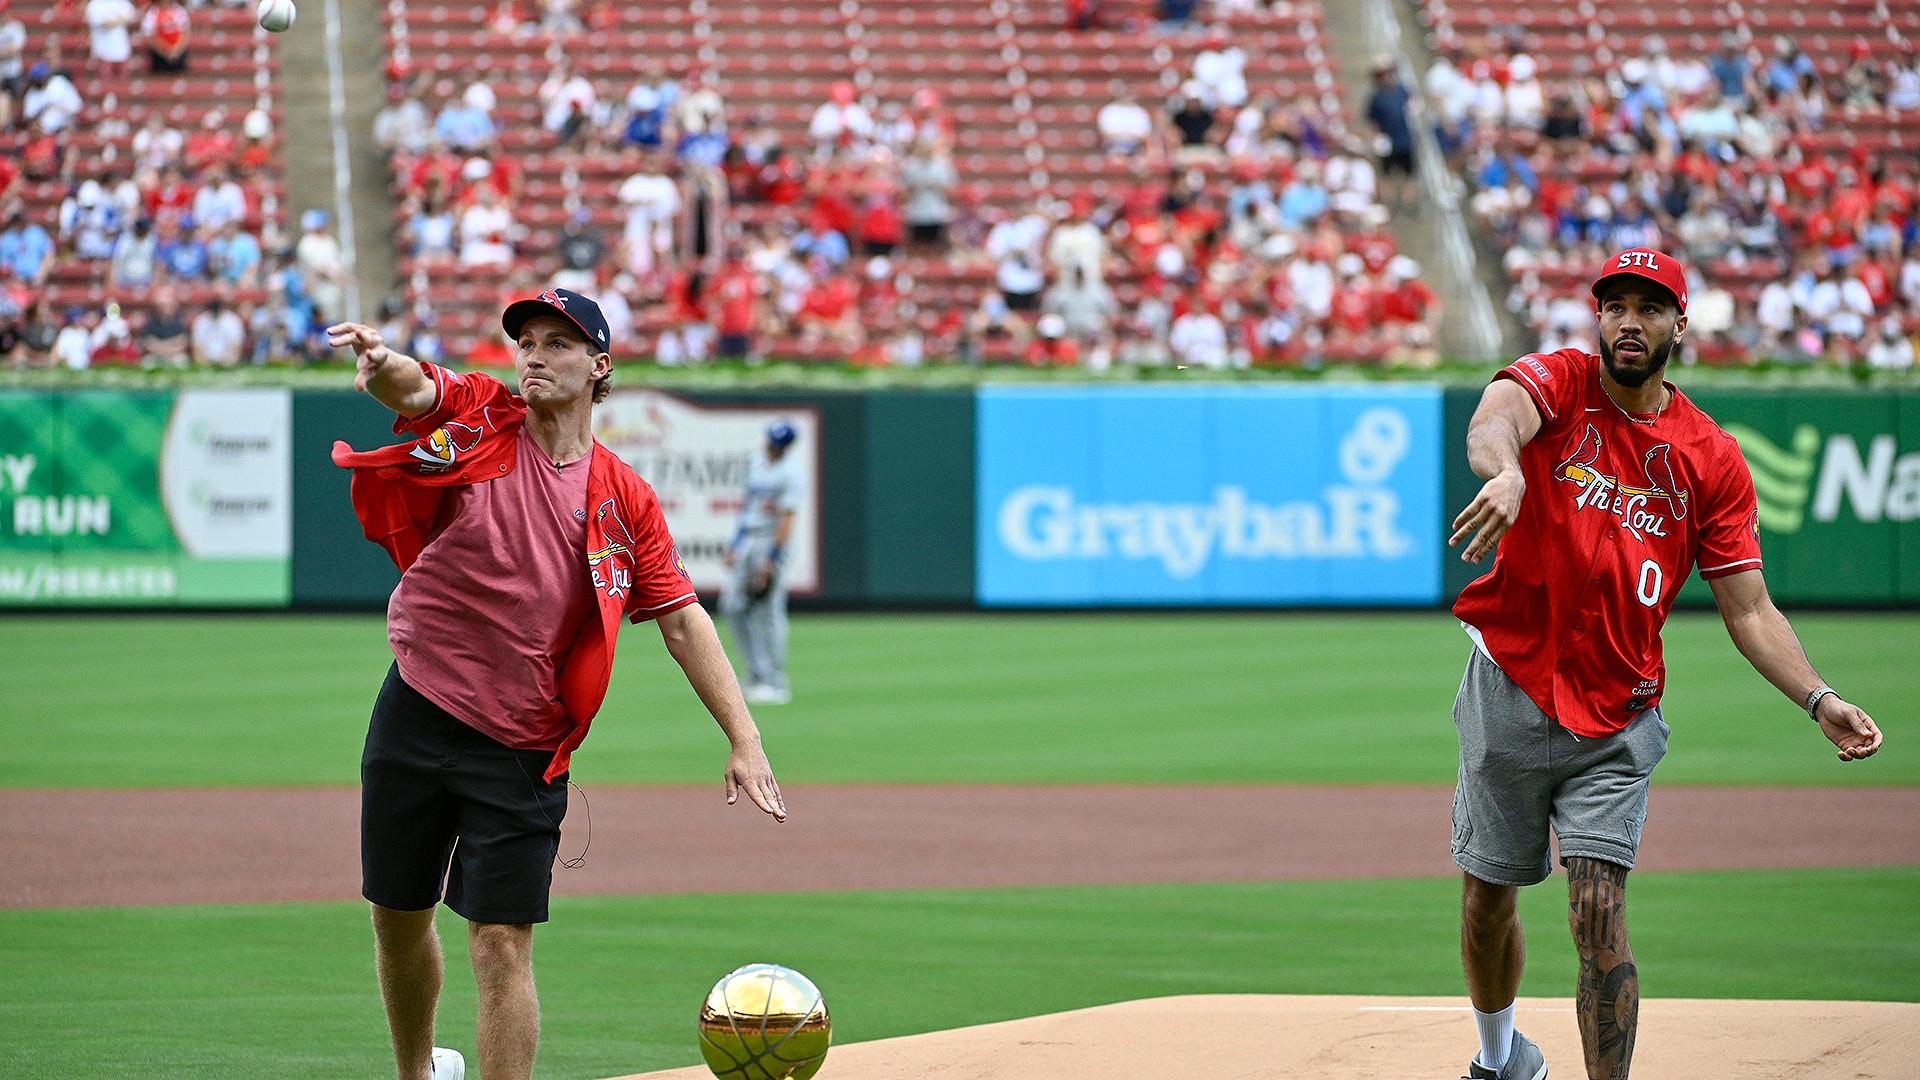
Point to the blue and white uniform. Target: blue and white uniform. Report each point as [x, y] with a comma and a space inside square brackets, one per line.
[775, 488]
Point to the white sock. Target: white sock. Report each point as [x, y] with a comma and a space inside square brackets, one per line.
[1496, 1036]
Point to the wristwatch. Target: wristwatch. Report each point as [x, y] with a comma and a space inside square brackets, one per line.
[1813, 700]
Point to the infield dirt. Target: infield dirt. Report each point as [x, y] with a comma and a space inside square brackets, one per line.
[1243, 1037]
[182, 846]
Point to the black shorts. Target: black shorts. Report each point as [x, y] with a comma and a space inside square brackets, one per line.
[434, 789]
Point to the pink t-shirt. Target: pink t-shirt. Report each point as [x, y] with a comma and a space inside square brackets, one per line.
[482, 621]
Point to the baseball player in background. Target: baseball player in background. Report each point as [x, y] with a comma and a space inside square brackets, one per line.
[755, 600]
[1605, 486]
[522, 543]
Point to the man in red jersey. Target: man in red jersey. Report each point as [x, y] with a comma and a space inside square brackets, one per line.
[523, 544]
[1609, 486]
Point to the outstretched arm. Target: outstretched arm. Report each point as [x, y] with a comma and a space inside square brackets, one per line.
[1767, 640]
[393, 379]
[1505, 421]
[696, 647]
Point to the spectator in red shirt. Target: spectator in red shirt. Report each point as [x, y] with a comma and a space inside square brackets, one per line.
[1410, 314]
[438, 167]
[164, 29]
[490, 352]
[828, 308]
[1407, 299]
[1053, 347]
[1355, 315]
[880, 292]
[734, 294]
[881, 228]
[831, 203]
[781, 178]
[483, 176]
[1355, 305]
[1376, 246]
[1851, 198]
[212, 143]
[257, 152]
[172, 193]
[1811, 176]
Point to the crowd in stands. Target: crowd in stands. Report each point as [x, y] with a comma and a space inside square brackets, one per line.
[1239, 228]
[1801, 239]
[1241, 221]
[184, 226]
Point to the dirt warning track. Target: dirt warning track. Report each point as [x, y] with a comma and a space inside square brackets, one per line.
[75, 847]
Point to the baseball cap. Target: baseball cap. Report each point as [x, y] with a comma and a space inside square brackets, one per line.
[569, 305]
[781, 433]
[1656, 266]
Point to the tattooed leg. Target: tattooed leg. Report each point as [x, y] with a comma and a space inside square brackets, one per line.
[1608, 998]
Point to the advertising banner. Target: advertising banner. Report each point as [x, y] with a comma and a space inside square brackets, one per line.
[696, 458]
[133, 499]
[1838, 480]
[1232, 495]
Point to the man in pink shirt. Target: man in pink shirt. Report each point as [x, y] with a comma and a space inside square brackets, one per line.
[523, 544]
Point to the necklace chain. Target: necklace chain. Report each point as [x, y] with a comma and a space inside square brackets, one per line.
[1666, 399]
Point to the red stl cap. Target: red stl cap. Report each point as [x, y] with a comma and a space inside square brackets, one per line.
[1656, 266]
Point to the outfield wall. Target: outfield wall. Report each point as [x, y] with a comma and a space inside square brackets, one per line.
[1239, 495]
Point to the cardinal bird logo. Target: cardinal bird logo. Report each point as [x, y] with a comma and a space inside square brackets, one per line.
[441, 449]
[1631, 503]
[612, 561]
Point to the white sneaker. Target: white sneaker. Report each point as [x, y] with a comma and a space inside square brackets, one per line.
[448, 1064]
[762, 694]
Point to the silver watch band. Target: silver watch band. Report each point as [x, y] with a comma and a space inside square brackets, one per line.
[1813, 700]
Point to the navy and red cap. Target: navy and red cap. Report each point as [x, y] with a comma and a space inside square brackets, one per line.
[1656, 266]
[579, 310]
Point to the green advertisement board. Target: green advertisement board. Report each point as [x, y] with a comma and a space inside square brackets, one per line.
[1838, 480]
[131, 499]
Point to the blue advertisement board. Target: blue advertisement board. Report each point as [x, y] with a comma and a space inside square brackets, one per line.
[1233, 495]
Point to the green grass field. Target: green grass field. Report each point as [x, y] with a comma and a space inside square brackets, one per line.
[248, 991]
[181, 700]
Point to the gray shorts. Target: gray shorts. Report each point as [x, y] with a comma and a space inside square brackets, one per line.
[1520, 772]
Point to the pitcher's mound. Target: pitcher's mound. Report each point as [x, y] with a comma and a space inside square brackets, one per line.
[1242, 1037]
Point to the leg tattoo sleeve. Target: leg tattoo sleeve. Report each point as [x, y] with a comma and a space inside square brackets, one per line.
[1608, 997]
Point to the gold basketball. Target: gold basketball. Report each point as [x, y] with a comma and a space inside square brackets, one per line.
[764, 1022]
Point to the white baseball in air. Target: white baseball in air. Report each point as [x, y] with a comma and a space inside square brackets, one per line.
[276, 15]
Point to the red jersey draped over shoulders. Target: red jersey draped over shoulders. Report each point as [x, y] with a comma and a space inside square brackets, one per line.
[404, 496]
[481, 618]
[1619, 509]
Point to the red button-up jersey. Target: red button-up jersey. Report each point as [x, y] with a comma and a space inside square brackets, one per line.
[1619, 508]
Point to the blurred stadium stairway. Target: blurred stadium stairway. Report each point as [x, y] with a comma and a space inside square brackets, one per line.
[311, 180]
[1358, 33]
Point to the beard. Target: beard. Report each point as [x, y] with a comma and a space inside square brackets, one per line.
[1633, 377]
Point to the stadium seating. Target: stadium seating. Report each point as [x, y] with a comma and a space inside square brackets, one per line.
[1589, 53]
[1019, 90]
[232, 71]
